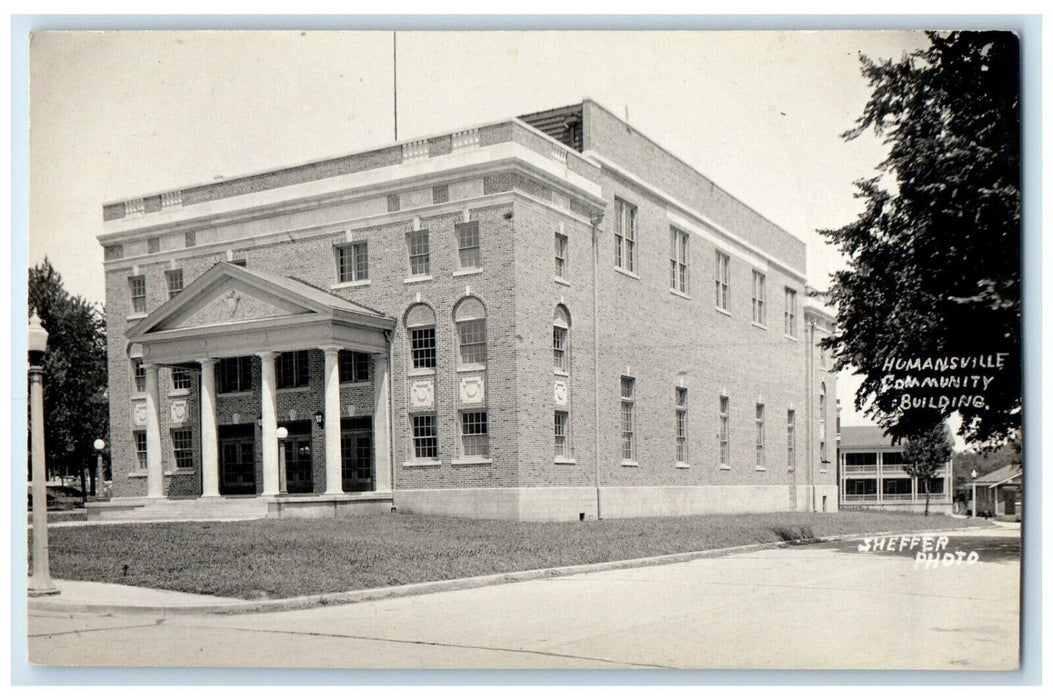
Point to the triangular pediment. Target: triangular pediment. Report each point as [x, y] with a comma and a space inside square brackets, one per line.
[231, 301]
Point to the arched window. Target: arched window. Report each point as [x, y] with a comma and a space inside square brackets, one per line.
[420, 322]
[470, 318]
[561, 340]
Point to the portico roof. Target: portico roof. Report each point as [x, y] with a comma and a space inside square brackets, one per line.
[231, 310]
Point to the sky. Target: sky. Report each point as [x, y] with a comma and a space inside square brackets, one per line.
[115, 115]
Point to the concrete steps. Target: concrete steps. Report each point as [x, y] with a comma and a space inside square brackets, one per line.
[223, 508]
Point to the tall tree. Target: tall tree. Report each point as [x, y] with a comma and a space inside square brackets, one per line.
[75, 407]
[925, 454]
[934, 258]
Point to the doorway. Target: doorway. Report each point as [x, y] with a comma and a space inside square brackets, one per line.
[299, 465]
[237, 455]
[356, 450]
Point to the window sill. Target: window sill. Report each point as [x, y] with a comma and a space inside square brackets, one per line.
[564, 460]
[822, 471]
[136, 317]
[630, 463]
[678, 293]
[138, 474]
[725, 467]
[351, 385]
[468, 271]
[627, 273]
[426, 372]
[561, 372]
[179, 392]
[759, 468]
[682, 465]
[470, 461]
[292, 389]
[181, 472]
[561, 280]
[761, 326]
[232, 394]
[138, 396]
[471, 368]
[790, 337]
[417, 278]
[723, 311]
[353, 283]
[423, 463]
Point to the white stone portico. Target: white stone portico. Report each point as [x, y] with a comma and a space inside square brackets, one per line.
[230, 311]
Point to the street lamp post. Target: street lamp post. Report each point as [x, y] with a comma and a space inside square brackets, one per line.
[973, 475]
[99, 446]
[40, 577]
[283, 485]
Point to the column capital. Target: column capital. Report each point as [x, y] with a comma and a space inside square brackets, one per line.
[330, 349]
[207, 361]
[267, 354]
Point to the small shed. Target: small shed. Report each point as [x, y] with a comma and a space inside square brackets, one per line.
[998, 493]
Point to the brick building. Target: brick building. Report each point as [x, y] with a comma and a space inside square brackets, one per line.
[548, 317]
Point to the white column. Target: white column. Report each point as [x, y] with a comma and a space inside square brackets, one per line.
[155, 487]
[209, 440]
[381, 423]
[269, 414]
[333, 471]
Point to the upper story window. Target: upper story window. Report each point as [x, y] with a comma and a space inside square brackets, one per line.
[678, 260]
[353, 367]
[561, 256]
[561, 340]
[760, 316]
[138, 375]
[468, 255]
[181, 378]
[790, 315]
[292, 369]
[723, 278]
[419, 253]
[137, 288]
[625, 236]
[470, 319]
[352, 262]
[174, 279]
[420, 322]
[234, 374]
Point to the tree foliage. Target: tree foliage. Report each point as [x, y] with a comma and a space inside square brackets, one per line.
[934, 258]
[926, 453]
[75, 406]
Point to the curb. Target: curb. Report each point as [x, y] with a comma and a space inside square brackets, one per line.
[413, 589]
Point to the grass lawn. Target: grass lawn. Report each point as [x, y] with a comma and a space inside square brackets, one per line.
[283, 558]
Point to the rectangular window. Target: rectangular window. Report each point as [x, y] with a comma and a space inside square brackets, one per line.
[422, 345]
[419, 253]
[181, 378]
[475, 441]
[790, 318]
[681, 425]
[153, 245]
[138, 375]
[137, 287]
[760, 435]
[234, 374]
[352, 262]
[759, 311]
[468, 256]
[425, 437]
[625, 236]
[471, 341]
[559, 349]
[291, 369]
[174, 279]
[725, 445]
[562, 433]
[561, 256]
[723, 280]
[353, 367]
[182, 447]
[628, 419]
[678, 260]
[139, 436]
[791, 438]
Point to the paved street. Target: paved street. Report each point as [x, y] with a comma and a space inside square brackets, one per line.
[817, 607]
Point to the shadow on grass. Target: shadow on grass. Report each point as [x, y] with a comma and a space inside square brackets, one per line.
[796, 535]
